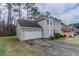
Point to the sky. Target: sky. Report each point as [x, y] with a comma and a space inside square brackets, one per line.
[67, 12]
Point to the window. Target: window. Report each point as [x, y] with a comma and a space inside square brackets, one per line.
[48, 22]
[51, 21]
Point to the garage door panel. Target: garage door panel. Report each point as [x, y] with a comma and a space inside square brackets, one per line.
[32, 34]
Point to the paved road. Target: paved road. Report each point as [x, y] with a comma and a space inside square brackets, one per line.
[55, 47]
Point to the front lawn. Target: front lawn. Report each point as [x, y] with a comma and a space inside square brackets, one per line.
[11, 46]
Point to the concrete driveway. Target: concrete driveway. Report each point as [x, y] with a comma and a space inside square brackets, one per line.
[55, 47]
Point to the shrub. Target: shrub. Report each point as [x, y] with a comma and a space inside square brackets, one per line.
[64, 35]
[61, 36]
[70, 36]
[51, 37]
[57, 35]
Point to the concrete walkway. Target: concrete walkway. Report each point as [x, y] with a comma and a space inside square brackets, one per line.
[55, 47]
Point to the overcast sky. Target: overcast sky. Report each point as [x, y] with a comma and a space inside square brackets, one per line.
[68, 13]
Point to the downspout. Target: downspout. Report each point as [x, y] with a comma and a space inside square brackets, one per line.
[49, 25]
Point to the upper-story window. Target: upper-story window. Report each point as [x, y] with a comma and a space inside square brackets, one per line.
[48, 22]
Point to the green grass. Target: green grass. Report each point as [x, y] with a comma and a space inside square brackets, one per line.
[10, 46]
[2, 51]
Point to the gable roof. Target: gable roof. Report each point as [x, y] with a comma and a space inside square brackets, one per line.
[43, 17]
[26, 23]
[67, 28]
[40, 18]
[56, 19]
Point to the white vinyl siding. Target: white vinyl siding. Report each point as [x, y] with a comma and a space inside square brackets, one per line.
[55, 26]
[30, 33]
[18, 31]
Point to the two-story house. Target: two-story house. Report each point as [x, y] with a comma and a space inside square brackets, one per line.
[42, 27]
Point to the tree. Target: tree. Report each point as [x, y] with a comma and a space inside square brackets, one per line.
[28, 7]
[9, 18]
[17, 9]
[47, 13]
[9, 14]
[3, 22]
[35, 12]
[0, 13]
[1, 10]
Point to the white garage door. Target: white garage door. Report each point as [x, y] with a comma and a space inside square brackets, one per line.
[32, 35]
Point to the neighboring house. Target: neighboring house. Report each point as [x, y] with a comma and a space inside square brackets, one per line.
[43, 27]
[69, 30]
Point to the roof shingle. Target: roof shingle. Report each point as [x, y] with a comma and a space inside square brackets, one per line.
[27, 23]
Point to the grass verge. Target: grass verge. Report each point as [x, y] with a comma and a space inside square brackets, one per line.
[10, 46]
